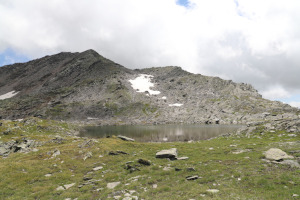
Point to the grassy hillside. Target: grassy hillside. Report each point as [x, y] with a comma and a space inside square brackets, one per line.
[233, 165]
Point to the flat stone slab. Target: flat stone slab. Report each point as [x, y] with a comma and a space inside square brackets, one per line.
[169, 153]
[183, 158]
[212, 190]
[276, 154]
[69, 185]
[190, 178]
[112, 185]
[97, 168]
[125, 138]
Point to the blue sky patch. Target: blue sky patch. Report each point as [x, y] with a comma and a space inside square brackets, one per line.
[184, 3]
[9, 56]
[293, 98]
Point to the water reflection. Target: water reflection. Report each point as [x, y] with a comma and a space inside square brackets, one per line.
[161, 133]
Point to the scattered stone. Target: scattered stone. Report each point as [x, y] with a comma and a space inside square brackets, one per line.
[291, 163]
[48, 175]
[112, 185]
[295, 195]
[87, 155]
[122, 152]
[131, 168]
[125, 138]
[241, 151]
[56, 153]
[177, 169]
[211, 148]
[190, 169]
[144, 162]
[213, 191]
[276, 154]
[69, 185]
[167, 168]
[190, 178]
[97, 168]
[183, 158]
[154, 186]
[170, 153]
[114, 153]
[60, 188]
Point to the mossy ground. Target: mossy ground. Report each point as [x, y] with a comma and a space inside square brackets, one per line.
[236, 176]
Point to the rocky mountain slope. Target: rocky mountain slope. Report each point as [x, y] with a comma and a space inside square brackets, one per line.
[88, 87]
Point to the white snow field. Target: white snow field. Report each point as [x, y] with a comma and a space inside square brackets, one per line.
[8, 95]
[143, 83]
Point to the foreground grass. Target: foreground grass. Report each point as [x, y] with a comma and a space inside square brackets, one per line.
[219, 163]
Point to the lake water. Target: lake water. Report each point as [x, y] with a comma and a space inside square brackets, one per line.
[160, 133]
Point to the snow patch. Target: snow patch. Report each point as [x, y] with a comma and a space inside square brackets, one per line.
[164, 97]
[8, 95]
[143, 84]
[176, 104]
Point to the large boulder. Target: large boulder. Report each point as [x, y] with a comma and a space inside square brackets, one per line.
[169, 153]
[276, 154]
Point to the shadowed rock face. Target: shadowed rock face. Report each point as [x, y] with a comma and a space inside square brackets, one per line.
[88, 87]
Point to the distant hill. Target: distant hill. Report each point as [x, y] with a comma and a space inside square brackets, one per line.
[88, 87]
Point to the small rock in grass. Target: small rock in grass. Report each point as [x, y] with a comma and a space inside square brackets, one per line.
[190, 178]
[69, 185]
[190, 169]
[48, 175]
[112, 185]
[87, 155]
[97, 168]
[154, 186]
[183, 158]
[122, 152]
[295, 195]
[291, 163]
[144, 162]
[60, 188]
[177, 169]
[212, 191]
[125, 138]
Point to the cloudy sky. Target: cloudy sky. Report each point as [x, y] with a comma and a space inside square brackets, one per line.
[250, 41]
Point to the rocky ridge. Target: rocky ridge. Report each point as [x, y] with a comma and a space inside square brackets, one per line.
[88, 87]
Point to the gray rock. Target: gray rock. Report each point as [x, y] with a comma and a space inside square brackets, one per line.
[291, 163]
[60, 188]
[169, 153]
[56, 153]
[97, 168]
[144, 162]
[276, 154]
[213, 191]
[125, 138]
[69, 185]
[190, 178]
[190, 169]
[112, 185]
[88, 155]
[183, 158]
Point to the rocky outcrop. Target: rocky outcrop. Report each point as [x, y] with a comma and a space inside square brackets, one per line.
[23, 145]
[88, 87]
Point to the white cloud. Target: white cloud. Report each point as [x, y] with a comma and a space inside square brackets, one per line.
[295, 104]
[251, 41]
[275, 92]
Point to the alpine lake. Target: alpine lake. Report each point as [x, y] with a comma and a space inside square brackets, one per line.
[160, 133]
